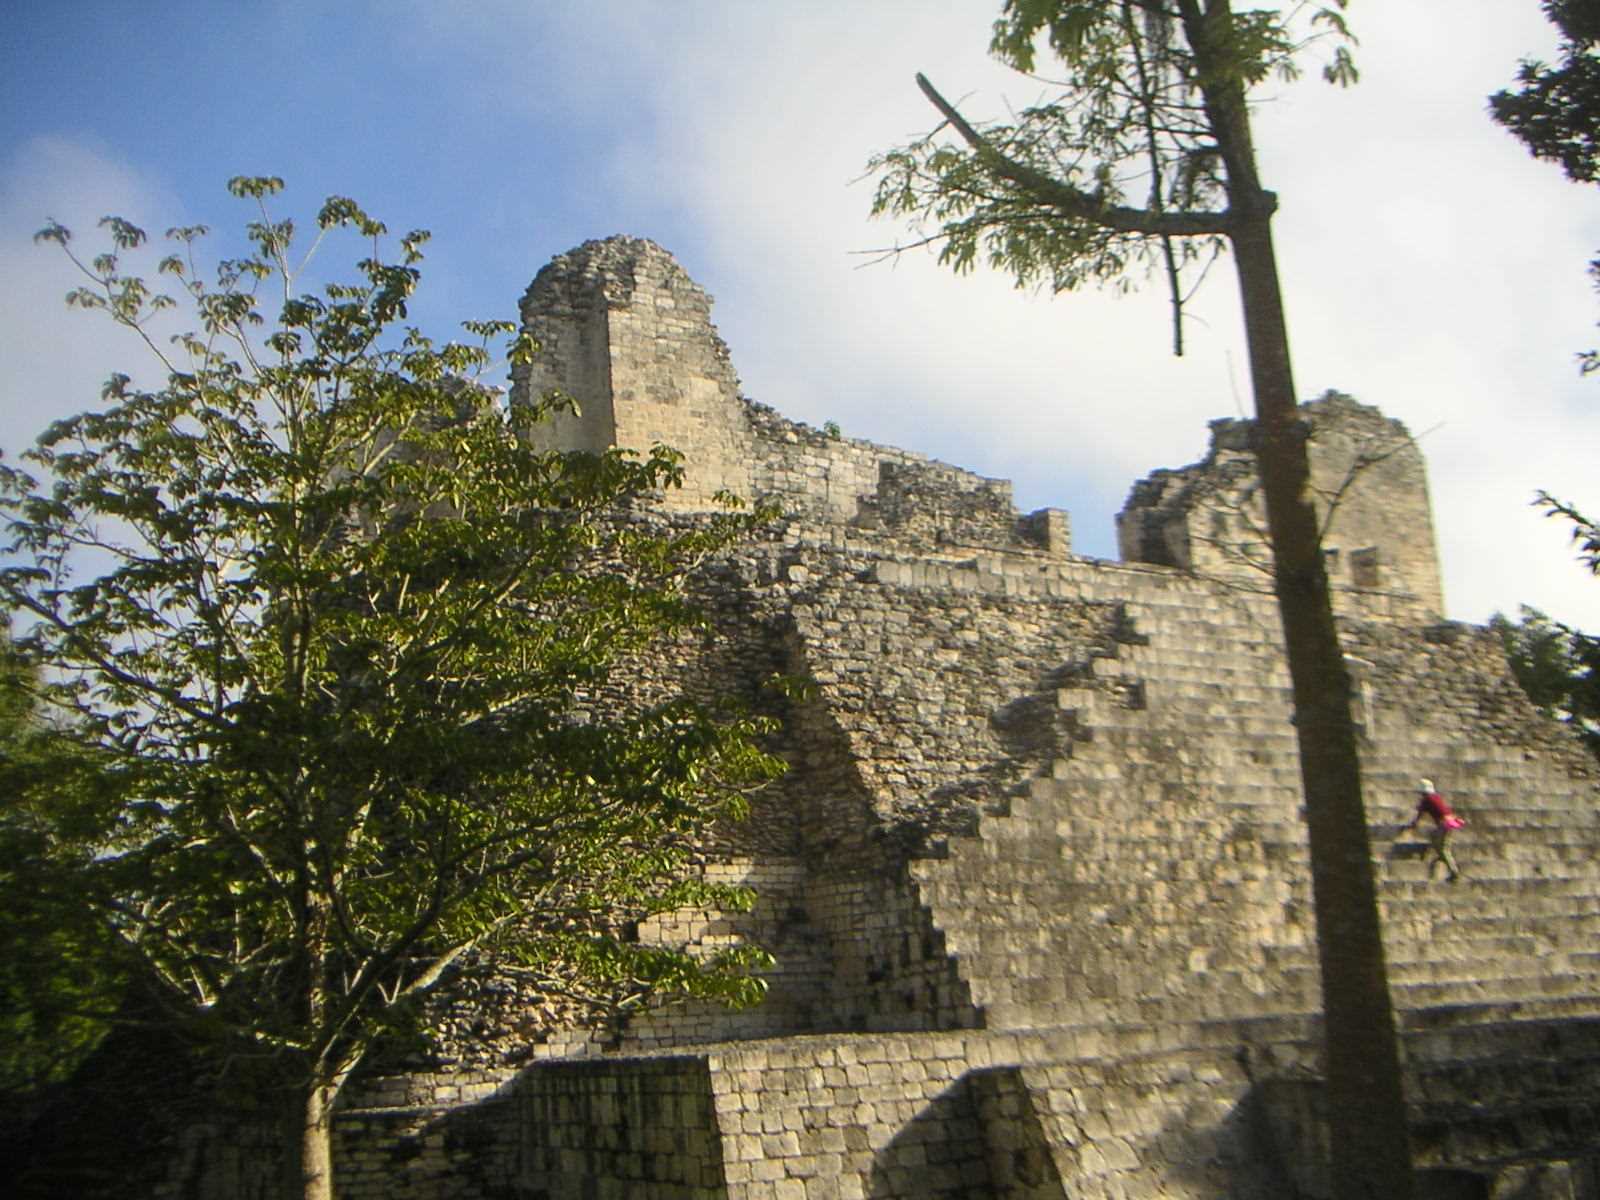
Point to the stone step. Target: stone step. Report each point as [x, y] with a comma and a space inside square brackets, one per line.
[1482, 866]
[1580, 922]
[1033, 886]
[1478, 1082]
[1550, 985]
[1579, 1006]
[1399, 888]
[1462, 1034]
[1513, 1112]
[1476, 968]
[1477, 949]
[1029, 834]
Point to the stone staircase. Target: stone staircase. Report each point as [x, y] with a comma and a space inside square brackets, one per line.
[1162, 867]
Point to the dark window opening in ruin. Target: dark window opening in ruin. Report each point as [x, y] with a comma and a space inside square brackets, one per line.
[1154, 546]
[1366, 567]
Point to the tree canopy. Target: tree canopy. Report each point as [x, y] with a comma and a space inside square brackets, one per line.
[60, 982]
[337, 631]
[1557, 665]
[1123, 171]
[1555, 111]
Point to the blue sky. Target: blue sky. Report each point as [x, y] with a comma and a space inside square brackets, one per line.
[1431, 268]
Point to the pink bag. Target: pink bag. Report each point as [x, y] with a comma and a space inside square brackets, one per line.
[1453, 822]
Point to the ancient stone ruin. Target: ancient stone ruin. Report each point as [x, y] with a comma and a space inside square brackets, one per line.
[1037, 880]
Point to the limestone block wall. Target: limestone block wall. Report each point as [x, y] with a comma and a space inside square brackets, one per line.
[890, 754]
[1453, 679]
[942, 694]
[827, 479]
[892, 969]
[1139, 869]
[900, 1118]
[1019, 802]
[646, 1131]
[1200, 1110]
[1371, 483]
[570, 318]
[816, 476]
[932, 704]
[798, 985]
[1156, 861]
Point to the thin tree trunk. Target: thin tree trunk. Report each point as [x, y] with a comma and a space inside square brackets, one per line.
[320, 1087]
[1366, 1103]
[316, 1142]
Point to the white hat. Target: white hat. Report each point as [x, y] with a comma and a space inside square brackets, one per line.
[1427, 785]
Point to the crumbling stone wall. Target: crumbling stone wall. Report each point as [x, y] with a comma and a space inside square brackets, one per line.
[1370, 487]
[1453, 678]
[627, 334]
[930, 688]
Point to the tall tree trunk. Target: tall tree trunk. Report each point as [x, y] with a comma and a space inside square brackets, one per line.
[1366, 1103]
[320, 1085]
[316, 1141]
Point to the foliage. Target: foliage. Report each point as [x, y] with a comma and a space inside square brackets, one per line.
[337, 628]
[59, 987]
[1558, 666]
[1585, 533]
[1045, 196]
[1556, 110]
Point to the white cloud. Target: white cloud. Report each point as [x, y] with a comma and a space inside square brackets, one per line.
[55, 360]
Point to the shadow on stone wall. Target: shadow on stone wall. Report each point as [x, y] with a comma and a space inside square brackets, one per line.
[1498, 1146]
[940, 1152]
[1441, 1183]
[474, 1150]
[1004, 1133]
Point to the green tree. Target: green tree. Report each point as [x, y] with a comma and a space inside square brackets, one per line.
[1556, 109]
[1558, 666]
[1555, 112]
[59, 982]
[1157, 102]
[337, 630]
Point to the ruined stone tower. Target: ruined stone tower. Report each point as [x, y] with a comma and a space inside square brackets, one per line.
[627, 334]
[1370, 487]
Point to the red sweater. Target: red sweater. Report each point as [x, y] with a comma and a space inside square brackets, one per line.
[1433, 805]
